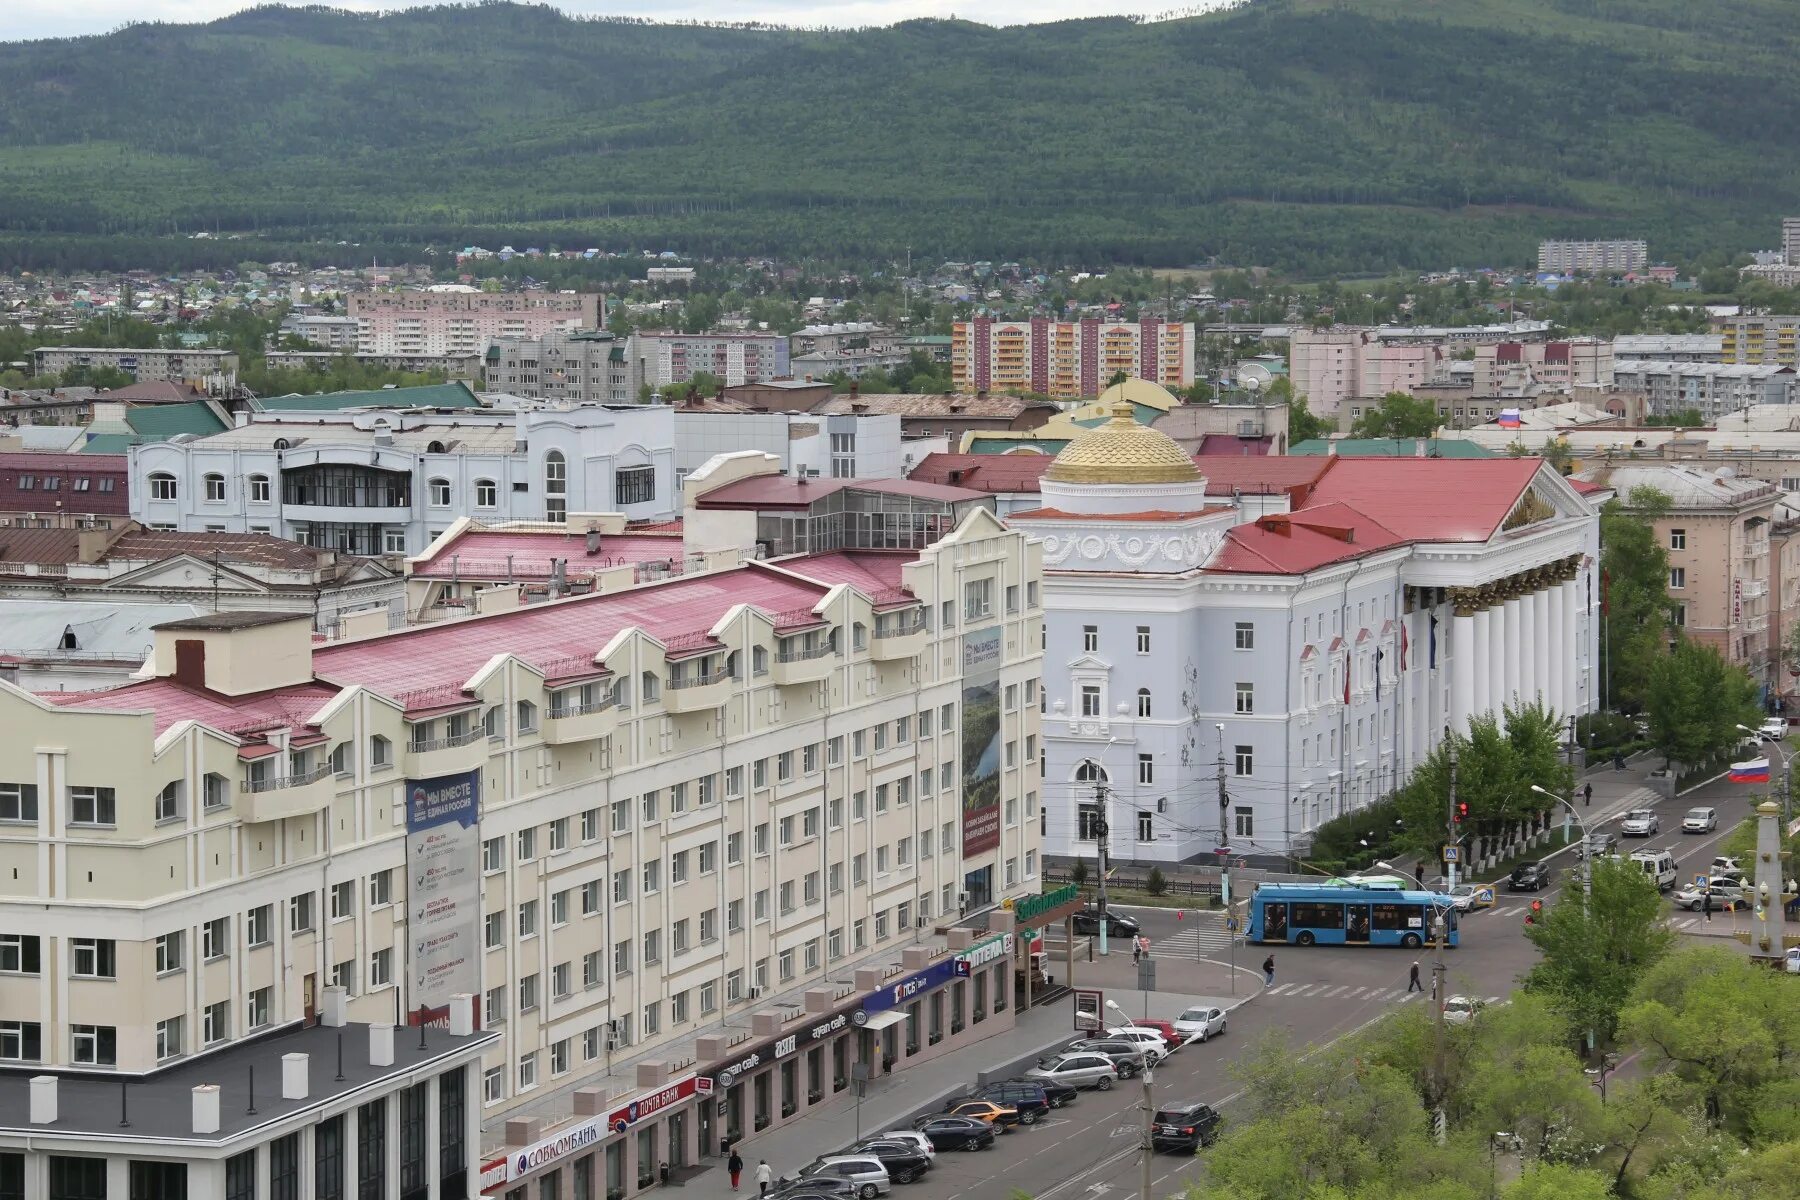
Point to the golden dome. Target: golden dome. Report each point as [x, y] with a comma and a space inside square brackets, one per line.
[1123, 451]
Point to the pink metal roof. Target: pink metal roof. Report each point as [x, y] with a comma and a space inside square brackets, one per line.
[172, 702]
[785, 491]
[485, 554]
[1430, 499]
[875, 574]
[989, 472]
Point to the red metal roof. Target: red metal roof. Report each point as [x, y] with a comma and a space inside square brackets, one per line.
[1261, 474]
[172, 702]
[988, 472]
[1586, 488]
[484, 554]
[1221, 445]
[785, 491]
[1430, 499]
[1292, 544]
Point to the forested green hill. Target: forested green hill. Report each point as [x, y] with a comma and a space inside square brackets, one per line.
[1322, 136]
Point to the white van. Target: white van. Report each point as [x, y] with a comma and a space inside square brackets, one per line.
[1659, 865]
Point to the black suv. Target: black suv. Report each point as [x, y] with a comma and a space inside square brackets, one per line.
[1032, 1101]
[1059, 1093]
[904, 1161]
[1184, 1127]
[1528, 877]
[1117, 924]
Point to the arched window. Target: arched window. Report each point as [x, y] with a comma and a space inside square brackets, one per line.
[487, 495]
[259, 489]
[215, 488]
[439, 490]
[1090, 772]
[163, 486]
[1143, 702]
[556, 487]
[436, 448]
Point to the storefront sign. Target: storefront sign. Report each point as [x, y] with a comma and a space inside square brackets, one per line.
[981, 655]
[1027, 908]
[902, 990]
[575, 1138]
[655, 1102]
[443, 891]
[776, 1049]
[992, 950]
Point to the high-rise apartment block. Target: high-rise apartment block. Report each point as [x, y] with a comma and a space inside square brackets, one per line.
[1068, 359]
[583, 366]
[664, 356]
[1790, 241]
[463, 322]
[1606, 257]
[1757, 339]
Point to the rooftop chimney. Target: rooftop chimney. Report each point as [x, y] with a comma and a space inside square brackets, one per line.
[334, 1006]
[462, 1014]
[43, 1099]
[381, 1045]
[206, 1108]
[294, 1076]
[593, 542]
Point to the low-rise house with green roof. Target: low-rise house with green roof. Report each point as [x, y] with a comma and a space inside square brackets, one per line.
[455, 394]
[1392, 448]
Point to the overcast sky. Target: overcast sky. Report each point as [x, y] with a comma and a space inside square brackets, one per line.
[20, 19]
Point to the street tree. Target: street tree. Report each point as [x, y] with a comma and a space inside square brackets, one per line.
[1397, 415]
[1544, 1100]
[1595, 951]
[1498, 760]
[1634, 578]
[1694, 701]
[1558, 1181]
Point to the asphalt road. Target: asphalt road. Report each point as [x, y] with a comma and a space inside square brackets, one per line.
[1321, 994]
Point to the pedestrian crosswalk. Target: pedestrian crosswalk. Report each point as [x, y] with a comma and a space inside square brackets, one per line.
[1195, 939]
[1347, 994]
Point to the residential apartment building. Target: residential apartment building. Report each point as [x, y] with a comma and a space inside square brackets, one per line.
[1759, 339]
[1502, 367]
[1331, 367]
[654, 818]
[831, 445]
[1721, 561]
[372, 482]
[1068, 359]
[664, 357]
[41, 490]
[585, 366]
[1716, 390]
[322, 330]
[211, 371]
[1790, 240]
[1670, 347]
[842, 337]
[1235, 661]
[461, 321]
[1604, 257]
[452, 366]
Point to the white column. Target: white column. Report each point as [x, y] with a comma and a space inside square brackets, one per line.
[1555, 687]
[1516, 633]
[1542, 690]
[1468, 658]
[434, 1137]
[1418, 687]
[1490, 692]
[1568, 609]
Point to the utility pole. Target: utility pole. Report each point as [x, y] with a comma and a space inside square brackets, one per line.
[1450, 812]
[1103, 831]
[1440, 1083]
[1224, 831]
[1149, 1150]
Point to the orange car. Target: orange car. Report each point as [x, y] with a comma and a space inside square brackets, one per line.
[997, 1115]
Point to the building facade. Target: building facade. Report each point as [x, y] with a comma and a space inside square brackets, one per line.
[322, 330]
[451, 366]
[211, 371]
[1235, 665]
[1759, 339]
[664, 357]
[1604, 257]
[836, 446]
[588, 366]
[64, 491]
[462, 322]
[1068, 359]
[370, 482]
[653, 813]
[1500, 367]
[1716, 390]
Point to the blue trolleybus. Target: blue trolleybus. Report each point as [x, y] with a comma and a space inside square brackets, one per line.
[1345, 914]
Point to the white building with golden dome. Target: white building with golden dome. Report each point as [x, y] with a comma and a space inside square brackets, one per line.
[1235, 661]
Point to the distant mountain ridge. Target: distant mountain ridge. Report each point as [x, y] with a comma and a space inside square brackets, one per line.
[1324, 135]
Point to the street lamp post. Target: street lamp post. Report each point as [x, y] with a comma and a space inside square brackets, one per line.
[1787, 776]
[1587, 873]
[1440, 1074]
[1147, 1154]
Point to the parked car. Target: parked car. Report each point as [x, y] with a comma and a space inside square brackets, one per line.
[1597, 844]
[957, 1133]
[997, 1115]
[1659, 865]
[818, 1187]
[905, 1162]
[1087, 922]
[1077, 1070]
[1700, 820]
[1201, 1023]
[1724, 864]
[1528, 877]
[1149, 1038]
[1060, 1093]
[1460, 1010]
[912, 1136]
[1715, 897]
[864, 1170]
[1165, 1029]
[1131, 1057]
[1467, 897]
[1640, 822]
[1027, 1098]
[1184, 1127]
[1773, 729]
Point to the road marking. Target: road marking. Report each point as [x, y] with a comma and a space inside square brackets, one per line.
[1409, 996]
[1339, 989]
[1279, 988]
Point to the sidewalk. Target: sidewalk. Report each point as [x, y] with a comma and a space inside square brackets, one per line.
[893, 1101]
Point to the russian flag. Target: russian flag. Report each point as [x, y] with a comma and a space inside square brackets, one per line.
[1509, 419]
[1754, 771]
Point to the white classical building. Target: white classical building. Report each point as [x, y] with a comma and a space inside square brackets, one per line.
[369, 481]
[1236, 662]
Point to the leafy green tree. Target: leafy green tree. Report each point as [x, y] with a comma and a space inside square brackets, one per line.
[1695, 701]
[1497, 762]
[1595, 951]
[1558, 1181]
[1397, 415]
[1634, 579]
[1544, 1099]
[1302, 425]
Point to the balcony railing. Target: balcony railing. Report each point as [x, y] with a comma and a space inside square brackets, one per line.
[900, 628]
[690, 681]
[275, 782]
[447, 742]
[582, 710]
[804, 654]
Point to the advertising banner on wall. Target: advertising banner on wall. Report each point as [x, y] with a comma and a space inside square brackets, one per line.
[443, 892]
[981, 741]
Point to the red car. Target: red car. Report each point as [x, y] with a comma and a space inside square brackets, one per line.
[1169, 1033]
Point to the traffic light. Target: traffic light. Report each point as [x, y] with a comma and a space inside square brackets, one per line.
[1537, 906]
[1462, 811]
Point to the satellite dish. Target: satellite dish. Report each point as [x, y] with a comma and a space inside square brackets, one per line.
[1250, 383]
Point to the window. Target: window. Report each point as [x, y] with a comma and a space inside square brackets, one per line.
[215, 939]
[1678, 539]
[652, 878]
[528, 916]
[93, 958]
[634, 485]
[259, 489]
[486, 494]
[215, 1023]
[256, 1010]
[493, 927]
[1143, 639]
[678, 867]
[168, 1038]
[439, 491]
[556, 486]
[493, 855]
[18, 802]
[1244, 637]
[94, 1045]
[527, 714]
[527, 844]
[709, 858]
[1244, 759]
[168, 803]
[92, 806]
[493, 1085]
[528, 1068]
[1090, 699]
[163, 487]
[1244, 823]
[215, 489]
[678, 937]
[381, 889]
[651, 804]
[784, 766]
[1146, 768]
[559, 834]
[1677, 578]
[528, 992]
[653, 947]
[381, 752]
[1090, 638]
[1246, 698]
[301, 913]
[258, 925]
[381, 969]
[978, 599]
[20, 955]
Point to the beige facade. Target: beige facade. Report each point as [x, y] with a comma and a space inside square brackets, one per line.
[673, 829]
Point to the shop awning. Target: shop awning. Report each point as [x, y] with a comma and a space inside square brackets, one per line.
[885, 1020]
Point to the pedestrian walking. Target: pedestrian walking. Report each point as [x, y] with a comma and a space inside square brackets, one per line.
[1269, 971]
[765, 1177]
[1412, 980]
[1618, 761]
[1587, 794]
[1137, 950]
[1144, 944]
[1706, 903]
[735, 1164]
